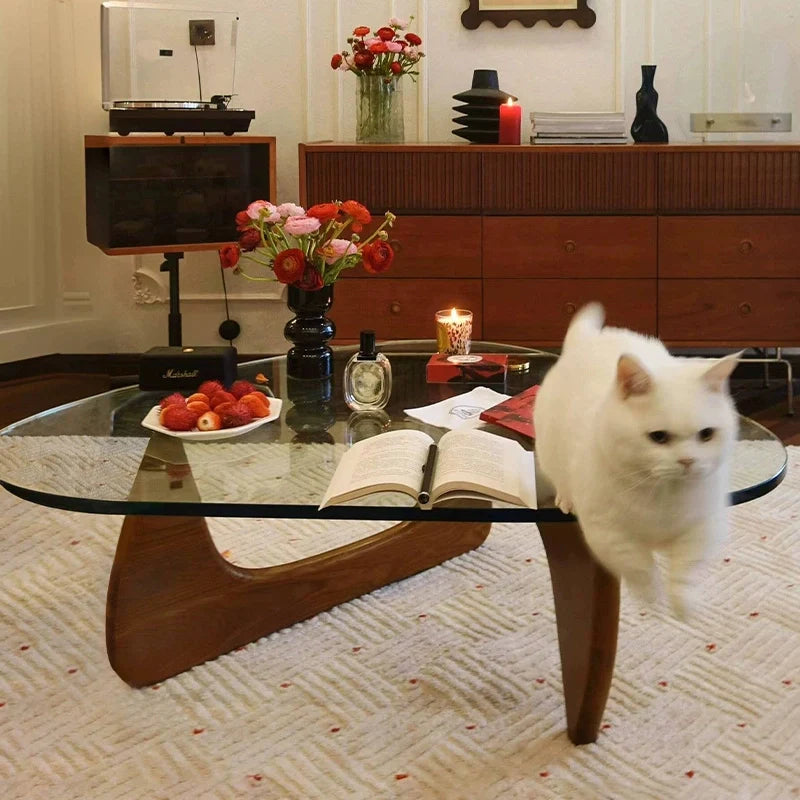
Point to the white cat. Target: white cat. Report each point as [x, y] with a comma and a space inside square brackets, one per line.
[637, 444]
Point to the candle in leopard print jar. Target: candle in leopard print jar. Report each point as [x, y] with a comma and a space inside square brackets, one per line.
[454, 331]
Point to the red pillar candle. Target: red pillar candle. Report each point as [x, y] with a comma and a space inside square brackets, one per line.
[510, 123]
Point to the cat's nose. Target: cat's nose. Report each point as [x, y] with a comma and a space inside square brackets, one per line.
[687, 462]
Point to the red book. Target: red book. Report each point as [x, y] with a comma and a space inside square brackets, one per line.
[516, 413]
[474, 368]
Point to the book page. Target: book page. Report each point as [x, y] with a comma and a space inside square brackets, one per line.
[485, 463]
[388, 462]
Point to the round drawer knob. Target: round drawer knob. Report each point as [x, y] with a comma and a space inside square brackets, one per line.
[570, 308]
[745, 309]
[570, 246]
[745, 247]
[394, 307]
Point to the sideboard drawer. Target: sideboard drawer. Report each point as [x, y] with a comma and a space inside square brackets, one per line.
[569, 247]
[401, 309]
[430, 247]
[538, 311]
[730, 312]
[729, 247]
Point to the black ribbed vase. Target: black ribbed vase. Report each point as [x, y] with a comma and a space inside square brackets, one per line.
[309, 331]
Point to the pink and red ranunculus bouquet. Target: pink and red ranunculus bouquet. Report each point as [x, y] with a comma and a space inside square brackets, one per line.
[390, 51]
[307, 248]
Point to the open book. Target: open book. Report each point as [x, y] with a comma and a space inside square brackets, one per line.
[464, 463]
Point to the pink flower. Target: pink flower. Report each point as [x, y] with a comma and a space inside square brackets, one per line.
[336, 248]
[395, 22]
[394, 47]
[270, 213]
[299, 226]
[290, 210]
[412, 52]
[372, 40]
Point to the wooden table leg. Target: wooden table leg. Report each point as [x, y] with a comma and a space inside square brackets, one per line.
[175, 602]
[587, 616]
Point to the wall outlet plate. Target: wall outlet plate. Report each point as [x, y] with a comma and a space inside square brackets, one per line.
[201, 32]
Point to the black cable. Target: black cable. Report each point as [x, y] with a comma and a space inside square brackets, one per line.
[199, 83]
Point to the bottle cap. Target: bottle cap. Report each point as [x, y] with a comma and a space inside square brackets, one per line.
[367, 349]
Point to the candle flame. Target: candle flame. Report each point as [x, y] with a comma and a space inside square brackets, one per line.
[509, 102]
[453, 314]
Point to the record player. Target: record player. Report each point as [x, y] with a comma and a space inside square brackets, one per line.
[169, 51]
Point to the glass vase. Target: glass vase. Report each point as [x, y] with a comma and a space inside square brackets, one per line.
[310, 331]
[379, 109]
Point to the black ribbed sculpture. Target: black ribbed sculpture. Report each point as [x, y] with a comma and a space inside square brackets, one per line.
[480, 114]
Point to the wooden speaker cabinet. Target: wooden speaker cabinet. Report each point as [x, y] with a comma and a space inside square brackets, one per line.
[161, 194]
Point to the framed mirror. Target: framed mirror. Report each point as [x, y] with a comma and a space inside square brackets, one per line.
[528, 12]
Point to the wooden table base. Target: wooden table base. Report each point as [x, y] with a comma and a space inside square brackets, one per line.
[174, 602]
[587, 617]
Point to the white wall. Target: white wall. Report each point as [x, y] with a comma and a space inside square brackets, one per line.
[60, 294]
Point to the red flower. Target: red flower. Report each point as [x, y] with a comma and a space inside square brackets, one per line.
[323, 211]
[336, 60]
[229, 256]
[311, 280]
[363, 60]
[289, 265]
[412, 38]
[242, 220]
[378, 47]
[395, 67]
[378, 257]
[249, 239]
[357, 211]
[387, 34]
[361, 30]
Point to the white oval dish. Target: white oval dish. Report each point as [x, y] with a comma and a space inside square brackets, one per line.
[151, 423]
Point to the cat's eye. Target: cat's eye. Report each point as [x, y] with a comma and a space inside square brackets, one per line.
[706, 434]
[659, 437]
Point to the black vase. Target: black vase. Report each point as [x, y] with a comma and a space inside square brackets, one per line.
[309, 331]
[647, 127]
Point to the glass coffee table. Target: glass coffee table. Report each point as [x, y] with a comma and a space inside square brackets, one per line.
[174, 602]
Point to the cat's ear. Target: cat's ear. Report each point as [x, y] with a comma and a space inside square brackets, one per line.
[632, 377]
[716, 376]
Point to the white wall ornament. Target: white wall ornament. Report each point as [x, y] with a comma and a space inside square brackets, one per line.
[149, 285]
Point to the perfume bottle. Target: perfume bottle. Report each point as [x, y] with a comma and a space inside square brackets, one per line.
[367, 377]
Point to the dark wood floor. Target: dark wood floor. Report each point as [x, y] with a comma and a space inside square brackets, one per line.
[26, 396]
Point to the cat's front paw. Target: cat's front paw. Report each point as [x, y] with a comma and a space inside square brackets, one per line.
[563, 504]
[682, 600]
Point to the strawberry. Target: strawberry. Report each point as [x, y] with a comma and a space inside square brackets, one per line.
[221, 397]
[240, 388]
[173, 399]
[238, 414]
[209, 422]
[198, 406]
[210, 388]
[178, 418]
[197, 397]
[257, 408]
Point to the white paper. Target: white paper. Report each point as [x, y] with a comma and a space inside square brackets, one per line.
[461, 411]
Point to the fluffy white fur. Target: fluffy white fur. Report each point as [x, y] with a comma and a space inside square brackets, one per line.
[637, 444]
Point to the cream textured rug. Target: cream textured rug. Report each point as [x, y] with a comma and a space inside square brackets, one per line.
[446, 685]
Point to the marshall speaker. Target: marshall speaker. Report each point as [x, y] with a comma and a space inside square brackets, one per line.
[186, 367]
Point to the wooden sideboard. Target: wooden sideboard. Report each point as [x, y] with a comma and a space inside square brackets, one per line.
[698, 244]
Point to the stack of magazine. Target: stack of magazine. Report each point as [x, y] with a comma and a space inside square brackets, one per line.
[578, 127]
